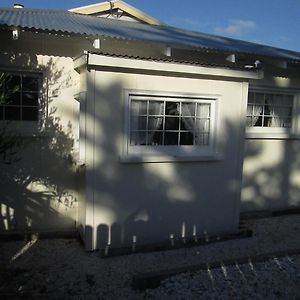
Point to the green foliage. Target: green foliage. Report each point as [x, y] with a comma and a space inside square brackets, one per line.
[7, 88]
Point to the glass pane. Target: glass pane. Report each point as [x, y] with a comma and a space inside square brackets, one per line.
[203, 125]
[249, 122]
[203, 110]
[249, 109]
[12, 98]
[138, 123]
[258, 110]
[172, 123]
[137, 138]
[281, 122]
[267, 109]
[171, 138]
[31, 99]
[289, 100]
[188, 109]
[172, 108]
[279, 100]
[30, 113]
[269, 99]
[155, 138]
[205, 139]
[138, 107]
[2, 81]
[12, 113]
[186, 138]
[2, 97]
[187, 124]
[155, 123]
[202, 138]
[12, 83]
[156, 108]
[257, 120]
[250, 97]
[287, 123]
[259, 98]
[275, 122]
[30, 83]
[282, 111]
[267, 121]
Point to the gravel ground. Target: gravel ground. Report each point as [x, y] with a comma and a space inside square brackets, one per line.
[61, 269]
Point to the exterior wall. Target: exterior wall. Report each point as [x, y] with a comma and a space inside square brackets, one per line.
[271, 173]
[154, 200]
[38, 190]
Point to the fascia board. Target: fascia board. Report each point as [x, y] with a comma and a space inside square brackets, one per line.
[167, 67]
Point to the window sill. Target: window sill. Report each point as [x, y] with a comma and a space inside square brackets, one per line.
[167, 158]
[272, 135]
[23, 129]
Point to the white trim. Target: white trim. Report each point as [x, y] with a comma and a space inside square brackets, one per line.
[161, 159]
[139, 65]
[171, 152]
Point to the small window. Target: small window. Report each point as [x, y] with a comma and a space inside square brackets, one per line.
[166, 125]
[20, 95]
[271, 110]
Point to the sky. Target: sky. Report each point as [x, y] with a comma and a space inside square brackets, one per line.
[271, 22]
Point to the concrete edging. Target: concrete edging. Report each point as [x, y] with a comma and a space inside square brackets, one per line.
[153, 279]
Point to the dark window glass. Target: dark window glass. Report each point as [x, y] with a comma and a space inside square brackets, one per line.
[1, 112]
[186, 138]
[19, 96]
[30, 113]
[31, 99]
[155, 138]
[12, 83]
[171, 108]
[12, 98]
[171, 138]
[30, 83]
[12, 113]
[172, 123]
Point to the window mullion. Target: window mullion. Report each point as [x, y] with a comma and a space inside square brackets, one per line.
[195, 123]
[254, 104]
[21, 97]
[164, 121]
[147, 122]
[179, 123]
[263, 112]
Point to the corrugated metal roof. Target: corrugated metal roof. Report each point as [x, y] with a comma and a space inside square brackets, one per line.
[72, 23]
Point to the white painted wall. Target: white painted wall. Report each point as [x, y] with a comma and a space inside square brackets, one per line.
[154, 200]
[271, 173]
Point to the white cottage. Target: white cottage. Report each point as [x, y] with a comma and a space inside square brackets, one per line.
[133, 130]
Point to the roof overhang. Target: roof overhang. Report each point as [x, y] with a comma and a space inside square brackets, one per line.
[130, 65]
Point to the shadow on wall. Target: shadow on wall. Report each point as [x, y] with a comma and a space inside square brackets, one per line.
[271, 178]
[37, 183]
[153, 201]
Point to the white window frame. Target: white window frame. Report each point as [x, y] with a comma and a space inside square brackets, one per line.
[164, 153]
[261, 132]
[29, 127]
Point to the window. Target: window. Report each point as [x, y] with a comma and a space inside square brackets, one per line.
[269, 110]
[20, 95]
[170, 125]
[271, 113]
